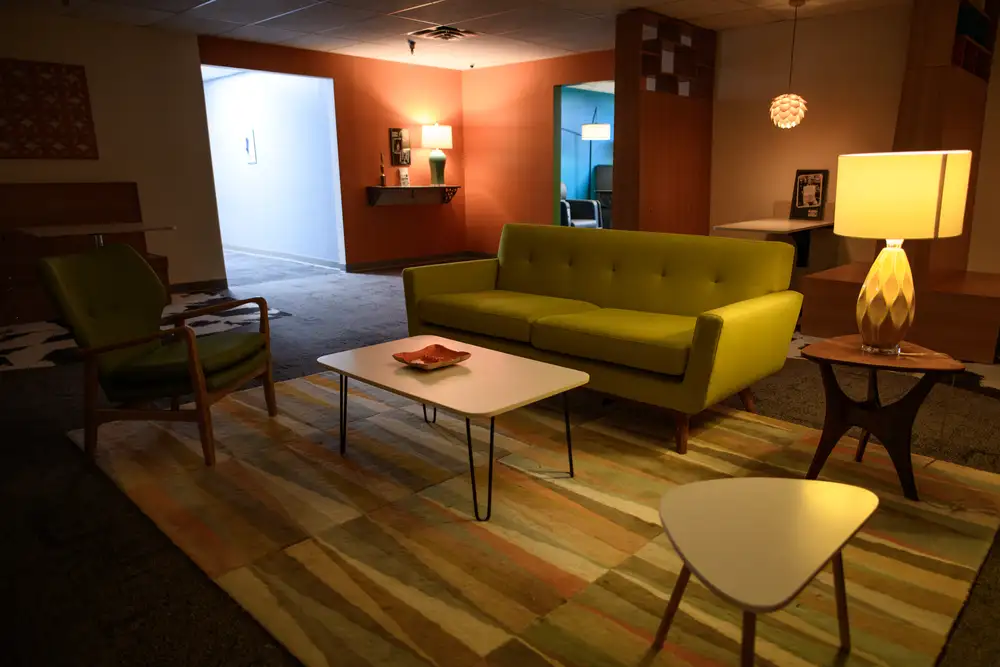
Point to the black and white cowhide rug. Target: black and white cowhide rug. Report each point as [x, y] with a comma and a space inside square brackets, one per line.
[44, 344]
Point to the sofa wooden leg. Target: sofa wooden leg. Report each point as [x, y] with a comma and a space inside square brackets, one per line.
[749, 403]
[682, 424]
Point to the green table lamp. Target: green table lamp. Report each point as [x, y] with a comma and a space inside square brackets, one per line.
[436, 137]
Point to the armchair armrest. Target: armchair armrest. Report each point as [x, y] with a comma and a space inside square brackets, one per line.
[422, 281]
[180, 318]
[584, 209]
[736, 345]
[186, 332]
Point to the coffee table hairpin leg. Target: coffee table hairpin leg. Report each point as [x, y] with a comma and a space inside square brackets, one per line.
[343, 414]
[472, 466]
[430, 421]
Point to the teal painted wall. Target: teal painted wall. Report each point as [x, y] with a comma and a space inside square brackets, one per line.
[577, 108]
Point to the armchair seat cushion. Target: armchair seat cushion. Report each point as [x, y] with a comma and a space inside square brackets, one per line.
[169, 362]
[648, 341]
[495, 312]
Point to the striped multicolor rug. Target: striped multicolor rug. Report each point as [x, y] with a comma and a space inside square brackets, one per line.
[374, 559]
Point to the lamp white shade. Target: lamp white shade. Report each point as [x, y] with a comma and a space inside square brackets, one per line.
[596, 132]
[435, 136]
[918, 195]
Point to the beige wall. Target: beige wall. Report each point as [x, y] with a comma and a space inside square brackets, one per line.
[848, 67]
[149, 113]
[984, 253]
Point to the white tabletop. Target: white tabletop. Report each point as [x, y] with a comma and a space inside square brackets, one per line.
[775, 225]
[487, 384]
[50, 231]
[758, 541]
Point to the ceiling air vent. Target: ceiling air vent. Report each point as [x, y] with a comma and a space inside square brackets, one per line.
[443, 32]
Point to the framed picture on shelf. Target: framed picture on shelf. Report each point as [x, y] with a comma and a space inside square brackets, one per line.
[809, 195]
[399, 146]
[404, 177]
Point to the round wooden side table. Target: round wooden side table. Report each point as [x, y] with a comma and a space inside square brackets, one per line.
[892, 424]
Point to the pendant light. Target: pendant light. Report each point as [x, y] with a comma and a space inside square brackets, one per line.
[789, 109]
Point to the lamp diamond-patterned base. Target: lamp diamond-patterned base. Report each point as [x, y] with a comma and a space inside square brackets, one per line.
[885, 306]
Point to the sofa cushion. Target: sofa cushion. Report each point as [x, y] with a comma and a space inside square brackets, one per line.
[647, 341]
[495, 312]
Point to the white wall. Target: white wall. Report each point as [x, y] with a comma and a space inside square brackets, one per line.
[149, 114]
[848, 67]
[289, 201]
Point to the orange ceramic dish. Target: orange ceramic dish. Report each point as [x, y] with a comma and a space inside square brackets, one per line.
[431, 357]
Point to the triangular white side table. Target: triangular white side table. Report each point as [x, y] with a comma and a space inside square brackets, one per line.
[757, 542]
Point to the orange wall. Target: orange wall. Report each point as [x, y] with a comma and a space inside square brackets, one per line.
[509, 134]
[371, 96]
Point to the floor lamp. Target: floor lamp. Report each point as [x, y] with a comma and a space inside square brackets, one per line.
[594, 131]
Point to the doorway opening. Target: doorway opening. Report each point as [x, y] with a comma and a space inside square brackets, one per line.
[277, 173]
[585, 115]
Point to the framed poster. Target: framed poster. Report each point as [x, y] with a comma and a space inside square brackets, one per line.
[809, 195]
[45, 112]
[399, 146]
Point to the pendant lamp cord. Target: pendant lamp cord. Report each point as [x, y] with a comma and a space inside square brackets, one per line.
[791, 60]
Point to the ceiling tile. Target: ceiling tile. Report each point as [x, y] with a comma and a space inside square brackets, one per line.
[317, 18]
[586, 34]
[688, 9]
[596, 7]
[116, 13]
[380, 27]
[520, 19]
[380, 6]
[173, 6]
[247, 11]
[749, 16]
[320, 42]
[259, 33]
[188, 23]
[447, 12]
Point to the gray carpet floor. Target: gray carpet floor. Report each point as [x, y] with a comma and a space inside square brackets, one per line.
[89, 580]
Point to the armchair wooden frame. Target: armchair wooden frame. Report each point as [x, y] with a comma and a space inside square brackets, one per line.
[204, 399]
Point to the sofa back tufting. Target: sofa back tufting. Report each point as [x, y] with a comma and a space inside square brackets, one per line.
[677, 274]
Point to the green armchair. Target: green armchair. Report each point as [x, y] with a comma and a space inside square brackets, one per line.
[112, 301]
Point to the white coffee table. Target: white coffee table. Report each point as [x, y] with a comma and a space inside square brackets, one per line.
[488, 384]
[757, 542]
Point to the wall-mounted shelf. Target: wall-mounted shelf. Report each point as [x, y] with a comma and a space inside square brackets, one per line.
[410, 195]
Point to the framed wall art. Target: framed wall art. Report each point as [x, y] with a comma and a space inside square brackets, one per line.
[45, 112]
[399, 146]
[809, 194]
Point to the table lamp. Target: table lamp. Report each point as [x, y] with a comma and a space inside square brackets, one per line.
[436, 137]
[897, 196]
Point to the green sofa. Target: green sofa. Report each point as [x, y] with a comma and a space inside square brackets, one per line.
[674, 320]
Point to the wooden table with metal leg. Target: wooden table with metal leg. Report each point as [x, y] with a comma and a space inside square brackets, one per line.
[757, 542]
[891, 424]
[488, 384]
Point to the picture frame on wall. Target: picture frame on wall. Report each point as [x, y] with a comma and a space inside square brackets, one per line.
[399, 146]
[809, 194]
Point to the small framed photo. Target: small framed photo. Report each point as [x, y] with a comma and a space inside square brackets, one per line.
[399, 146]
[809, 195]
[404, 176]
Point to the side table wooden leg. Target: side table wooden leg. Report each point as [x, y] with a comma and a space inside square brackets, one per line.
[749, 639]
[874, 401]
[835, 423]
[840, 589]
[672, 605]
